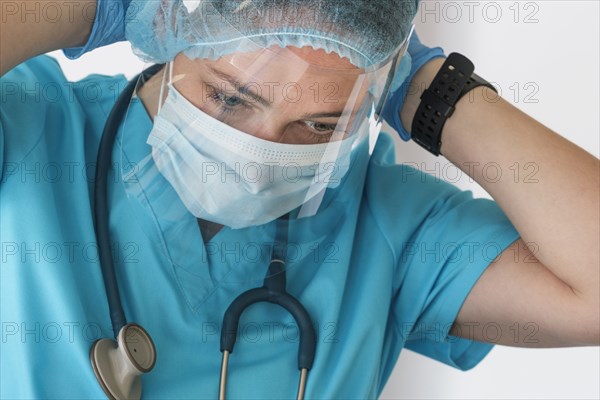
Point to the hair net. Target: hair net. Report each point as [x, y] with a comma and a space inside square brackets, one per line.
[367, 32]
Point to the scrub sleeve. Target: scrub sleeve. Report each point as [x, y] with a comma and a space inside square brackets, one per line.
[456, 239]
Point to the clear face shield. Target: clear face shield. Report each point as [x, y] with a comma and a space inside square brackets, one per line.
[252, 136]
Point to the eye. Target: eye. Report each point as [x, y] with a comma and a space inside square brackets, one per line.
[320, 127]
[229, 101]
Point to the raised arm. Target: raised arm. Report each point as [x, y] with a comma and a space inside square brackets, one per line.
[30, 28]
[553, 282]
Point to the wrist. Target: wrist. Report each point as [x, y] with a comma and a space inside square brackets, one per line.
[444, 87]
[466, 124]
[106, 25]
[421, 81]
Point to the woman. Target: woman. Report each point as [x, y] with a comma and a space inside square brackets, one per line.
[237, 131]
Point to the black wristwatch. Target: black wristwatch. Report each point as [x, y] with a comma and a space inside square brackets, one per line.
[454, 79]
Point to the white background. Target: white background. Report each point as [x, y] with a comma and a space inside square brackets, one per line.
[549, 50]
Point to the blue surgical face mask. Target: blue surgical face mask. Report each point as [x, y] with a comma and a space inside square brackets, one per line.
[235, 179]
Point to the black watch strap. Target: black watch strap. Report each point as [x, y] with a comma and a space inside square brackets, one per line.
[454, 79]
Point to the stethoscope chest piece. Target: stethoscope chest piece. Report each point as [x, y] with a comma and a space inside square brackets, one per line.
[118, 365]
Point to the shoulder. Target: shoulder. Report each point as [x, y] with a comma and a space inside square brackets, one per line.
[408, 204]
[400, 197]
[40, 83]
[41, 68]
[39, 104]
[402, 184]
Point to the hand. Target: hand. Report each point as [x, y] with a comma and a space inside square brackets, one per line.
[109, 27]
[420, 56]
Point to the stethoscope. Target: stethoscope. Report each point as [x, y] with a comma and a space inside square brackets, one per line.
[118, 364]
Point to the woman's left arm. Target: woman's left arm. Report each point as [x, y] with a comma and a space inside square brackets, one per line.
[553, 282]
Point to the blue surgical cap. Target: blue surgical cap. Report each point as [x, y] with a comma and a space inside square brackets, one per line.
[367, 32]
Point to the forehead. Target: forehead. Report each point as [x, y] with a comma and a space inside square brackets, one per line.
[304, 75]
[319, 57]
[290, 63]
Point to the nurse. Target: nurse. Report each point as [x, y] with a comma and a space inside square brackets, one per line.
[260, 115]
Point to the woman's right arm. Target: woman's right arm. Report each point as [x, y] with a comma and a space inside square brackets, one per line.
[31, 28]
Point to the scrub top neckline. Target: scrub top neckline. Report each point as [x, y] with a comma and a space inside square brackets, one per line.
[202, 268]
[156, 206]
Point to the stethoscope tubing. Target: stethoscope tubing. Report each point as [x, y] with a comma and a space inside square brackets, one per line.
[101, 211]
[272, 291]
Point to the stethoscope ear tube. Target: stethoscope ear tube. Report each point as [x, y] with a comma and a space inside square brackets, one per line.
[308, 337]
[272, 291]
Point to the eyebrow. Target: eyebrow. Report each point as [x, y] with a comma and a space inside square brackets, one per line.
[335, 114]
[243, 89]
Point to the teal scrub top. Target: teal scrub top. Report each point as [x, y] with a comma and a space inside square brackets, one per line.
[384, 270]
